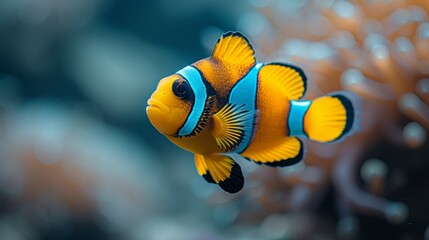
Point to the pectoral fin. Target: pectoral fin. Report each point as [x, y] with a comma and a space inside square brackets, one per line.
[230, 125]
[222, 170]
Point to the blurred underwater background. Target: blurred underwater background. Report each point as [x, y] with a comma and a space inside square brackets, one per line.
[80, 160]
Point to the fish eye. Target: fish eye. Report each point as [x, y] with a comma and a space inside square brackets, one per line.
[181, 88]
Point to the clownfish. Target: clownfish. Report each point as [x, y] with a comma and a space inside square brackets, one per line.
[230, 103]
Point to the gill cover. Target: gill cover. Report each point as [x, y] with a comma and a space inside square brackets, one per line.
[193, 76]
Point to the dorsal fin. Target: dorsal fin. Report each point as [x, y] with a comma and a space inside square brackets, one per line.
[232, 48]
[290, 79]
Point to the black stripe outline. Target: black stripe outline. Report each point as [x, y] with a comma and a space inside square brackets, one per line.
[350, 114]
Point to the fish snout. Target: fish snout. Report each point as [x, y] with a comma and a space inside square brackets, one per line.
[155, 104]
[162, 117]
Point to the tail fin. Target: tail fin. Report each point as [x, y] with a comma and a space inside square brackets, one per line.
[332, 118]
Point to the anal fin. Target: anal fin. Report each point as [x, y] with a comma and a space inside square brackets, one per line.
[222, 170]
[285, 153]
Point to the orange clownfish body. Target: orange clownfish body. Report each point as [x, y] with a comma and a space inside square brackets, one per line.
[229, 103]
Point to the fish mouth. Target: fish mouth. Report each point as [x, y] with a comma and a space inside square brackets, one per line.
[157, 105]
